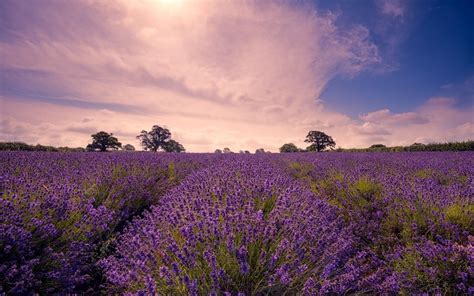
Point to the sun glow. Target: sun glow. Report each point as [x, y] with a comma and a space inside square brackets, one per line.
[170, 4]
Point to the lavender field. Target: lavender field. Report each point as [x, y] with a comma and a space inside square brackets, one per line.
[237, 224]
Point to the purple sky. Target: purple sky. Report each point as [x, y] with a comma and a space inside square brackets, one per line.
[242, 75]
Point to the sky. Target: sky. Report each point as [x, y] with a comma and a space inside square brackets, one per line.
[237, 74]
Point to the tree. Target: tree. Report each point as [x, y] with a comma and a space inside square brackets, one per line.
[159, 138]
[154, 139]
[103, 141]
[218, 151]
[378, 146]
[128, 147]
[260, 150]
[173, 146]
[227, 150]
[290, 147]
[319, 141]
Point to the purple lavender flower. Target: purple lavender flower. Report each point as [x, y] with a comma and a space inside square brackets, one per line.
[328, 223]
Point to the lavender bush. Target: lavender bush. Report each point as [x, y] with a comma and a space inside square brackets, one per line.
[61, 211]
[414, 211]
[241, 227]
[305, 223]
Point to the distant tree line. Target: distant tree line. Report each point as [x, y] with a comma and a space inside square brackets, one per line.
[319, 141]
[159, 139]
[227, 150]
[20, 146]
[415, 147]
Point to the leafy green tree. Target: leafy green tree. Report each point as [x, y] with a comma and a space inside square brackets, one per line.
[319, 141]
[288, 148]
[128, 147]
[159, 138]
[378, 146]
[173, 146]
[260, 150]
[227, 150]
[103, 141]
[154, 139]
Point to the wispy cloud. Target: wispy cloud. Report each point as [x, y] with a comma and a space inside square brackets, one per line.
[394, 8]
[387, 117]
[437, 120]
[244, 74]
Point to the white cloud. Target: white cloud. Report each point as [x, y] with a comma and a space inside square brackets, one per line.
[369, 128]
[217, 73]
[394, 8]
[248, 70]
[387, 117]
[438, 120]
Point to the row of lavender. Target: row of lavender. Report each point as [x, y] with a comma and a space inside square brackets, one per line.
[60, 213]
[414, 212]
[237, 224]
[325, 224]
